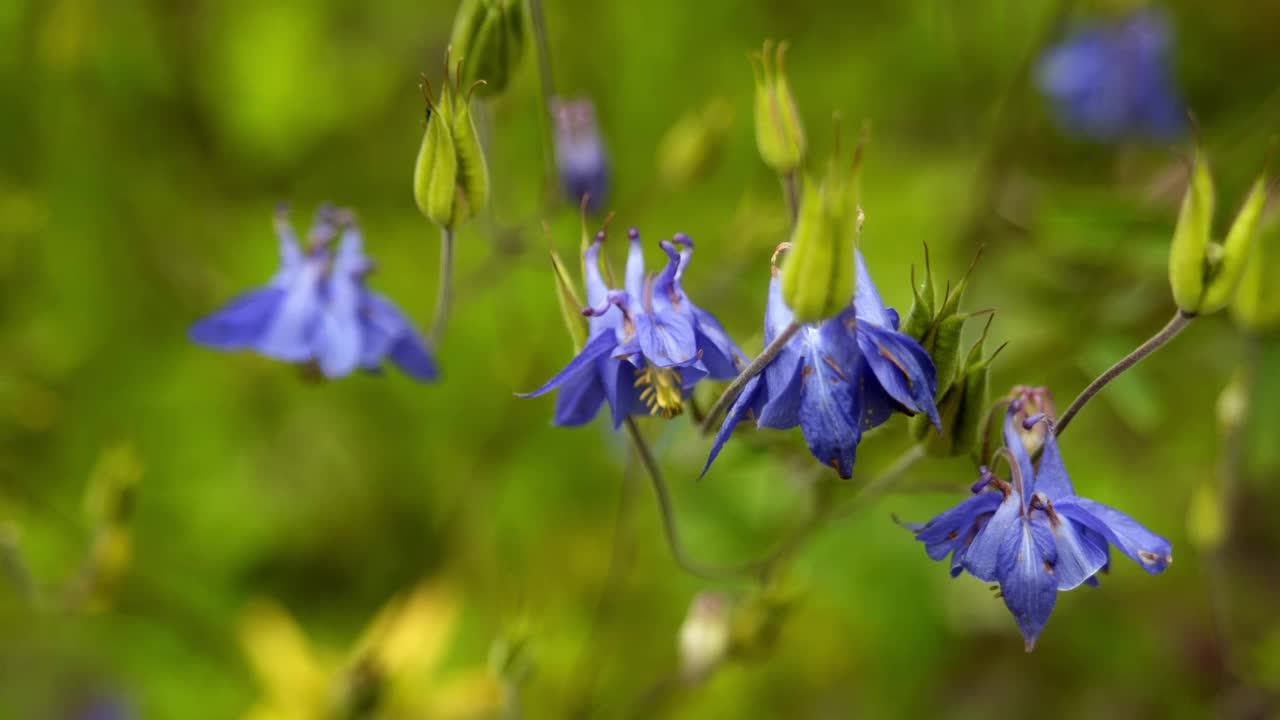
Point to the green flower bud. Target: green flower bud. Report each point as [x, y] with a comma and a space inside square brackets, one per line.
[1189, 252]
[450, 178]
[488, 36]
[779, 133]
[690, 149]
[1256, 307]
[1236, 249]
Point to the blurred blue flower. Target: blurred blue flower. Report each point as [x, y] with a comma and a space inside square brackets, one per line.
[1035, 536]
[318, 310]
[580, 152]
[1112, 81]
[647, 346]
[836, 379]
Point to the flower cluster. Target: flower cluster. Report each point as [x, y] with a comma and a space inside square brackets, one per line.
[318, 309]
[648, 343]
[838, 378]
[1033, 535]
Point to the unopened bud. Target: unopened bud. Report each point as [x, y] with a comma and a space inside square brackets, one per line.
[818, 275]
[580, 152]
[704, 635]
[488, 37]
[779, 133]
[450, 178]
[690, 149]
[1257, 303]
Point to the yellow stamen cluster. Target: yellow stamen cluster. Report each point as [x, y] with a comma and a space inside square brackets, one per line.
[662, 392]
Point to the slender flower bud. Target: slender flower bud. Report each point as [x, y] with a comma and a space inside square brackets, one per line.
[488, 36]
[691, 148]
[450, 178]
[580, 152]
[779, 133]
[1189, 253]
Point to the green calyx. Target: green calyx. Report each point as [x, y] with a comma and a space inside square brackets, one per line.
[962, 406]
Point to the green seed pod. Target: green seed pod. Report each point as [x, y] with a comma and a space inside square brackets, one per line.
[488, 36]
[473, 172]
[1236, 249]
[818, 273]
[779, 132]
[1256, 307]
[435, 176]
[1189, 254]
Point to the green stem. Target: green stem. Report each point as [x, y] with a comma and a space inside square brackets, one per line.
[1179, 321]
[877, 486]
[671, 529]
[444, 297]
[546, 78]
[791, 189]
[757, 366]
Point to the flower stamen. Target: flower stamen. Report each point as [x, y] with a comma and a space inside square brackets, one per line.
[663, 393]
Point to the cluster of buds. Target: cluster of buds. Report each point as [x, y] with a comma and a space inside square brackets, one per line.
[450, 179]
[1204, 273]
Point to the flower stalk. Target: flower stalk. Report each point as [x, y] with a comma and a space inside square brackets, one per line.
[757, 366]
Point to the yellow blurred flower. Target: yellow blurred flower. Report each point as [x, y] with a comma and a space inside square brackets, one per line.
[390, 674]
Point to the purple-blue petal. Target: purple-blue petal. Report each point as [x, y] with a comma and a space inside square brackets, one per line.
[599, 346]
[956, 527]
[580, 397]
[1152, 552]
[829, 416]
[1051, 477]
[982, 557]
[749, 401]
[241, 323]
[902, 367]
[1026, 581]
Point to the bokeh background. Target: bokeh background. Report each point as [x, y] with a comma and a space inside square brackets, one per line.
[144, 144]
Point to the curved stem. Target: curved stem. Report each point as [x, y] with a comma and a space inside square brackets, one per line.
[1168, 332]
[791, 188]
[547, 80]
[757, 366]
[444, 298]
[669, 526]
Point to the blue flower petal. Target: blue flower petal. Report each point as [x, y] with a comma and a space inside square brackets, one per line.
[777, 316]
[982, 557]
[597, 347]
[829, 416]
[1149, 550]
[1052, 478]
[594, 281]
[749, 401]
[902, 367]
[719, 353]
[241, 323]
[291, 334]
[1013, 441]
[619, 386]
[635, 265]
[389, 334]
[866, 298]
[1078, 558]
[784, 379]
[666, 340]
[956, 527]
[1027, 583]
[877, 407]
[580, 398]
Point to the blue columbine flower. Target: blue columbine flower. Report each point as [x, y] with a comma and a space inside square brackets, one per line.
[580, 152]
[1035, 536]
[1112, 82]
[648, 344]
[836, 379]
[318, 310]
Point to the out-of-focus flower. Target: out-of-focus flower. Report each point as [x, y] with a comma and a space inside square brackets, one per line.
[704, 635]
[1111, 81]
[1034, 536]
[690, 149]
[318, 310]
[836, 379]
[779, 132]
[488, 38]
[1256, 307]
[648, 344]
[580, 152]
[391, 672]
[1204, 274]
[450, 176]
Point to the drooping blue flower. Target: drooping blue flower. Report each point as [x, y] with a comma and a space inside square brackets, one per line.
[1034, 536]
[580, 152]
[1112, 82]
[318, 309]
[647, 345]
[836, 379]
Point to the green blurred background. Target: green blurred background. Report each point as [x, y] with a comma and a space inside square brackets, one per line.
[143, 145]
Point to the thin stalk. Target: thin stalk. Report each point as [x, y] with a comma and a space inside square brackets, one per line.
[444, 297]
[877, 485]
[1168, 332]
[669, 525]
[791, 189]
[756, 366]
[548, 86]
